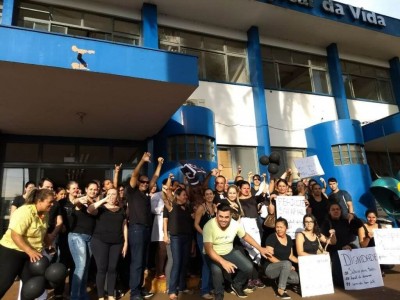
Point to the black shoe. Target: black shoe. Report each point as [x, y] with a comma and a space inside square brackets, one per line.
[296, 288]
[238, 291]
[146, 294]
[283, 296]
[229, 290]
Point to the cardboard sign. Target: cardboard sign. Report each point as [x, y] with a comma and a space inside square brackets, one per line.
[293, 209]
[309, 166]
[387, 245]
[360, 268]
[314, 283]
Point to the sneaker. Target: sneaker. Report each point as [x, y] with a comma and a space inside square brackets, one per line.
[248, 290]
[283, 296]
[258, 283]
[238, 291]
[146, 294]
[229, 290]
[207, 296]
[186, 291]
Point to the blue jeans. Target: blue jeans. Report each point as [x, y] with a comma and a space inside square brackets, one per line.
[139, 239]
[180, 248]
[241, 276]
[283, 271]
[79, 245]
[206, 281]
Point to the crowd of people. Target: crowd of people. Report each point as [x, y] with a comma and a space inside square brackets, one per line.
[233, 228]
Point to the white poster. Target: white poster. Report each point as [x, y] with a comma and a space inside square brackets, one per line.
[293, 209]
[315, 283]
[387, 245]
[309, 166]
[360, 268]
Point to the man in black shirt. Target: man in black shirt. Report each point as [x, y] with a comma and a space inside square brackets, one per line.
[140, 222]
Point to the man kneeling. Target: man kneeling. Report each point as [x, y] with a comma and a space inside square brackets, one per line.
[218, 236]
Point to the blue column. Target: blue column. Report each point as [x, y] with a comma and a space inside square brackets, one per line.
[335, 74]
[8, 17]
[149, 26]
[257, 82]
[395, 77]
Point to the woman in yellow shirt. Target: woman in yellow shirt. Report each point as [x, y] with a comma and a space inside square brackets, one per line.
[24, 240]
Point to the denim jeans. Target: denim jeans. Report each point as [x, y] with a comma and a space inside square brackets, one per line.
[206, 281]
[283, 270]
[180, 248]
[242, 273]
[139, 239]
[79, 245]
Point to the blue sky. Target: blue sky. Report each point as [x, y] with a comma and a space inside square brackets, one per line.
[389, 8]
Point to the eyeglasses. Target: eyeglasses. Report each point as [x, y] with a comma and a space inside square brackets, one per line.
[256, 179]
[308, 222]
[144, 181]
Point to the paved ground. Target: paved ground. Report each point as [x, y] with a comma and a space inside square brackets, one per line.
[390, 291]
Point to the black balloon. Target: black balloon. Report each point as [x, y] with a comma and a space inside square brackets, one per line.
[264, 160]
[274, 157]
[38, 268]
[273, 168]
[56, 274]
[33, 288]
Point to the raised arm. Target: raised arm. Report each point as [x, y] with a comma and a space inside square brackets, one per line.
[135, 174]
[117, 168]
[156, 174]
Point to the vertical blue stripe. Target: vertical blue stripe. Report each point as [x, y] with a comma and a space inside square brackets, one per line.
[149, 26]
[395, 77]
[8, 16]
[257, 82]
[338, 90]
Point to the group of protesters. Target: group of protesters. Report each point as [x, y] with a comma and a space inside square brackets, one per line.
[234, 229]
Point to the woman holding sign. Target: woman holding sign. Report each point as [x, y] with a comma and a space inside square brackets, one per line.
[279, 266]
[308, 242]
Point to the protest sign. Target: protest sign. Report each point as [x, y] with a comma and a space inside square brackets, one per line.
[309, 166]
[360, 268]
[387, 245]
[293, 209]
[315, 283]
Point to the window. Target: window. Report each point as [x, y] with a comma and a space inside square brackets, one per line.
[348, 154]
[294, 71]
[182, 147]
[233, 157]
[1, 11]
[367, 82]
[220, 60]
[287, 158]
[78, 23]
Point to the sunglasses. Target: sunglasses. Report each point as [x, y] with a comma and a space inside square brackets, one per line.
[144, 181]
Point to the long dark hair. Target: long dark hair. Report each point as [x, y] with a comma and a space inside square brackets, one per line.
[37, 195]
[316, 229]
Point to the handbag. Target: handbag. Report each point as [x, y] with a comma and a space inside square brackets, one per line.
[270, 220]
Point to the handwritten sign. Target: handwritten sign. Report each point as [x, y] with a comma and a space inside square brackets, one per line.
[293, 209]
[309, 166]
[387, 245]
[315, 283]
[360, 268]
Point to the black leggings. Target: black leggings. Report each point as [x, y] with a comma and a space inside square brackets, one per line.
[106, 257]
[12, 263]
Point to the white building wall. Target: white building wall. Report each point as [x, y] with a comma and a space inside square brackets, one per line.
[233, 107]
[289, 114]
[368, 111]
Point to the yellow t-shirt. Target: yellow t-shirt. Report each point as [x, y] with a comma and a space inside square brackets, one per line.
[222, 240]
[26, 222]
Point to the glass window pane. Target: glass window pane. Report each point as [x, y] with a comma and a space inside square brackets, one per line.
[210, 146]
[20, 152]
[282, 55]
[215, 44]
[59, 153]
[191, 146]
[168, 35]
[190, 40]
[320, 82]
[237, 70]
[385, 89]
[344, 151]
[78, 32]
[41, 26]
[336, 155]
[347, 86]
[225, 159]
[270, 78]
[235, 47]
[171, 48]
[367, 70]
[125, 155]
[364, 88]
[318, 61]
[181, 147]
[59, 29]
[100, 35]
[127, 27]
[98, 22]
[294, 78]
[123, 39]
[214, 66]
[199, 61]
[94, 154]
[66, 16]
[266, 53]
[353, 68]
[382, 73]
[301, 58]
[34, 11]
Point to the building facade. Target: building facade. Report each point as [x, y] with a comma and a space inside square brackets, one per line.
[87, 84]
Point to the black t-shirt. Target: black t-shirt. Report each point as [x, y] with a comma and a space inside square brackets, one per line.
[109, 225]
[341, 197]
[344, 232]
[180, 220]
[18, 201]
[281, 252]
[139, 206]
[55, 211]
[76, 220]
[66, 210]
[249, 207]
[319, 209]
[218, 197]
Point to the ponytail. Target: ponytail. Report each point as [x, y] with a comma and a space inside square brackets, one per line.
[37, 195]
